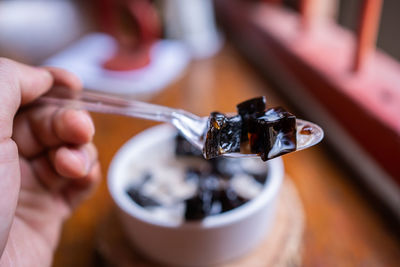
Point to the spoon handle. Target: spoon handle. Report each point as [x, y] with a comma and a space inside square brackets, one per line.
[103, 103]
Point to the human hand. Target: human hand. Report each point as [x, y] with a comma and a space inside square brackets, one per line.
[47, 163]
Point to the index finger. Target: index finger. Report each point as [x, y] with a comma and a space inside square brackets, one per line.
[64, 77]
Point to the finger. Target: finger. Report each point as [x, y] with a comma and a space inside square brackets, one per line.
[53, 180]
[73, 126]
[79, 189]
[43, 127]
[52, 125]
[66, 78]
[28, 144]
[19, 84]
[46, 174]
[74, 162]
[39, 121]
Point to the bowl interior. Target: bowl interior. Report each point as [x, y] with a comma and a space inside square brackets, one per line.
[156, 143]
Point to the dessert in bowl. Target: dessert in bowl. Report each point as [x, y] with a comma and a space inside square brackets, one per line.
[173, 216]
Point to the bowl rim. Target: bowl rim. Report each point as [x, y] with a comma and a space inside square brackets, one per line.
[270, 190]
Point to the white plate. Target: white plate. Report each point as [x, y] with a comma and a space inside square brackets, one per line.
[85, 58]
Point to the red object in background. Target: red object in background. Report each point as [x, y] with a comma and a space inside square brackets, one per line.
[367, 32]
[135, 33]
[307, 10]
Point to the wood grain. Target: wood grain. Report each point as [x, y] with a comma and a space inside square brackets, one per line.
[341, 228]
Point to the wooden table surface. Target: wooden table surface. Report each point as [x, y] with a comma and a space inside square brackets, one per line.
[342, 229]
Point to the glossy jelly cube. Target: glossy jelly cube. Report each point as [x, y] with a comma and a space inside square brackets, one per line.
[273, 134]
[223, 135]
[248, 109]
[135, 194]
[252, 106]
[230, 199]
[198, 206]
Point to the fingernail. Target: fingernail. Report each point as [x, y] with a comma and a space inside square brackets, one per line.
[80, 158]
[88, 121]
[46, 74]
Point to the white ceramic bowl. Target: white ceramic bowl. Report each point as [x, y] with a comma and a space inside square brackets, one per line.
[215, 239]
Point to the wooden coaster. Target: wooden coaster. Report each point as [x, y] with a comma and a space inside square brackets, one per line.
[281, 247]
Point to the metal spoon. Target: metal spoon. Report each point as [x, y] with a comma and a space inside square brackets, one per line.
[191, 126]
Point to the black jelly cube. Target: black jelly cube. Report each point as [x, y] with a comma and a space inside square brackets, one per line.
[223, 135]
[261, 178]
[135, 194]
[248, 109]
[273, 134]
[211, 147]
[198, 206]
[230, 199]
[252, 106]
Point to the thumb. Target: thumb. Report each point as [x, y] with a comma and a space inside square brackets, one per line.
[19, 84]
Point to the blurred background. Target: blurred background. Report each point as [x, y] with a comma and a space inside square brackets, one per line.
[335, 62]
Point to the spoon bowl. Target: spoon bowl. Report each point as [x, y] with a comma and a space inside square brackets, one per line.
[308, 134]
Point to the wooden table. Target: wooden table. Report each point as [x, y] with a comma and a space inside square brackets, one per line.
[342, 228]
